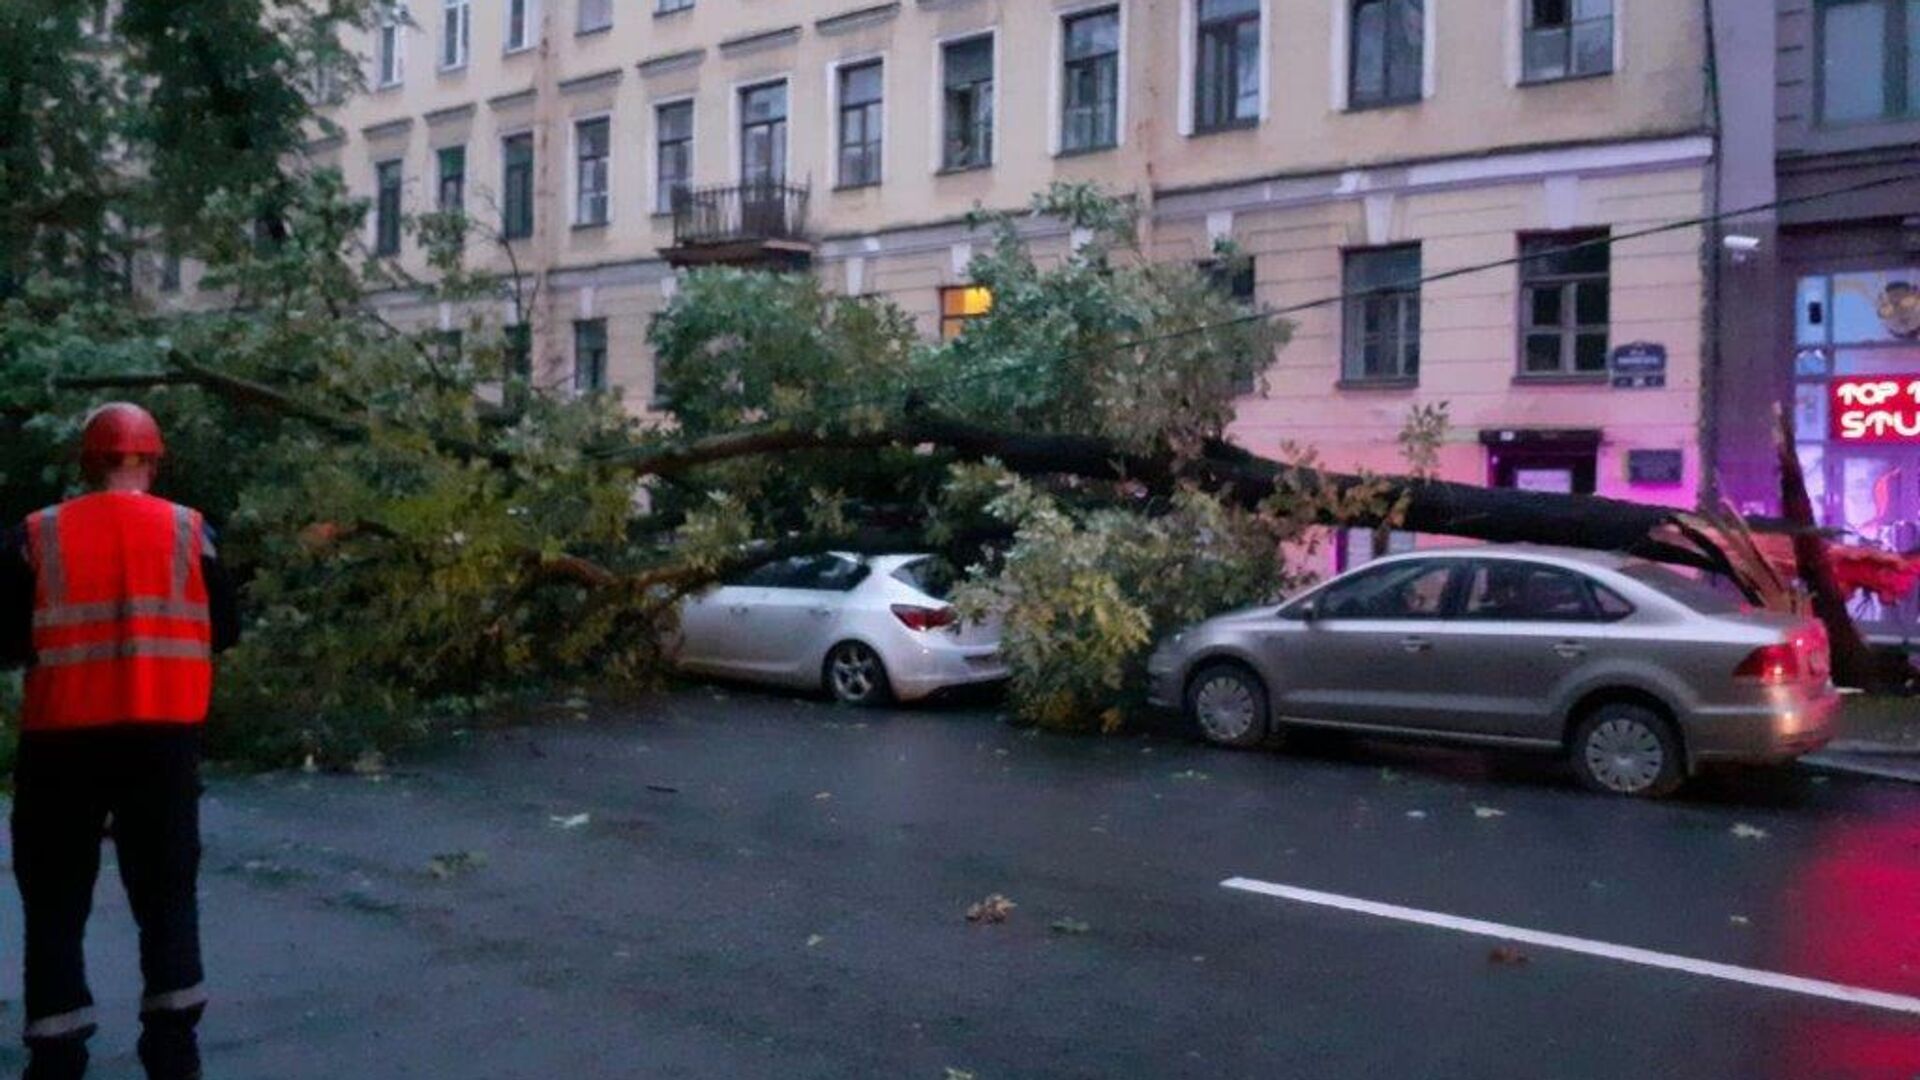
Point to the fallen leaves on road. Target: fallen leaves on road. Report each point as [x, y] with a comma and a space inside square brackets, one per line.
[1488, 812]
[1068, 925]
[664, 789]
[814, 939]
[1743, 831]
[1416, 814]
[958, 1074]
[1739, 920]
[370, 763]
[823, 796]
[1507, 955]
[1191, 774]
[994, 909]
[1388, 776]
[570, 821]
[454, 863]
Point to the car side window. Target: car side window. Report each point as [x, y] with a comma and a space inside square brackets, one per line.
[766, 575]
[829, 573]
[1409, 590]
[1528, 592]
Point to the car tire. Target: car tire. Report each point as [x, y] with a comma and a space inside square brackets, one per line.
[855, 675]
[1227, 704]
[1626, 749]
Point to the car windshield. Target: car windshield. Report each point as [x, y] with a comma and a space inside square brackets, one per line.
[929, 575]
[1698, 595]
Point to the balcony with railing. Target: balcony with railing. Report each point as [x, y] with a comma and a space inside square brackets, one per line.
[760, 223]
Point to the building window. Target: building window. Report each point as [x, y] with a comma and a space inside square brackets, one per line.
[590, 150]
[763, 134]
[453, 179]
[1387, 52]
[519, 351]
[516, 210]
[1563, 304]
[389, 49]
[1567, 38]
[860, 124]
[1226, 70]
[1090, 116]
[170, 271]
[590, 355]
[673, 153]
[593, 15]
[1382, 314]
[1869, 59]
[456, 33]
[960, 305]
[521, 18]
[448, 346]
[1234, 279]
[668, 7]
[386, 209]
[967, 84]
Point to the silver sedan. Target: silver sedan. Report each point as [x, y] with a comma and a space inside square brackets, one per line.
[865, 629]
[1634, 671]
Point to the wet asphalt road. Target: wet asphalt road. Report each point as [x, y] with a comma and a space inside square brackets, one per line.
[771, 888]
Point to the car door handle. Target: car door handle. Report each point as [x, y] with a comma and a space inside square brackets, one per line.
[1416, 644]
[1570, 649]
[738, 609]
[822, 612]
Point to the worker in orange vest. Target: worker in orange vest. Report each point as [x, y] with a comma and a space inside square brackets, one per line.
[116, 603]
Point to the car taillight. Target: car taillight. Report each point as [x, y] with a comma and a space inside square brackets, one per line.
[1772, 664]
[916, 617]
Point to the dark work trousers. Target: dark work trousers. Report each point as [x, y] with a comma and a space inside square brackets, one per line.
[68, 787]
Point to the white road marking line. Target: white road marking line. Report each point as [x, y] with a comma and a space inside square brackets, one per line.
[1877, 999]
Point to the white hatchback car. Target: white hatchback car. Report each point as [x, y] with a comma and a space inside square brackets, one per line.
[866, 629]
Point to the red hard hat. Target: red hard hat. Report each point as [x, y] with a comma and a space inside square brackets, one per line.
[120, 428]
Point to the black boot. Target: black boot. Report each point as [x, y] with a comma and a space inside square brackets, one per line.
[56, 1059]
[168, 1046]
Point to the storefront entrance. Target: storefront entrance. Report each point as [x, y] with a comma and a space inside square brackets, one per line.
[1857, 419]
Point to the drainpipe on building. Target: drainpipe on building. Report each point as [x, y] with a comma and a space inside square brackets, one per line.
[1710, 359]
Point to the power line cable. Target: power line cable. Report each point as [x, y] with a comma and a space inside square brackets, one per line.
[1013, 365]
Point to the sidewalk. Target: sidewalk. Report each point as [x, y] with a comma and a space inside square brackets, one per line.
[1879, 736]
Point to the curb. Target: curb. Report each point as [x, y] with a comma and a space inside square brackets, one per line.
[1903, 766]
[1868, 747]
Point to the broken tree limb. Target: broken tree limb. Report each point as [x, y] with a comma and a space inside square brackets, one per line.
[1853, 662]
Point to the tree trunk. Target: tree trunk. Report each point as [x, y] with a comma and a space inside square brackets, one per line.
[1853, 662]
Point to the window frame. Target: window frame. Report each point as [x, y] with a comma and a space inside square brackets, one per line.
[511, 224]
[671, 7]
[955, 323]
[389, 48]
[985, 90]
[441, 156]
[529, 35]
[662, 192]
[581, 193]
[782, 126]
[1569, 329]
[873, 115]
[1353, 314]
[590, 378]
[461, 13]
[1387, 99]
[1899, 74]
[1232, 24]
[389, 177]
[581, 28]
[1570, 29]
[1109, 68]
[1238, 280]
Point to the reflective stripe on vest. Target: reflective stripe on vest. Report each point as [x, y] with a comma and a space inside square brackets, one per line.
[144, 656]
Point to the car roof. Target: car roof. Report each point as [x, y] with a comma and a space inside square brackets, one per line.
[884, 564]
[1605, 560]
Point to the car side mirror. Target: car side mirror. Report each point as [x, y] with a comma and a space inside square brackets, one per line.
[1309, 609]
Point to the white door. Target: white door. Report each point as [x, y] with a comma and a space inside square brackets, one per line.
[716, 629]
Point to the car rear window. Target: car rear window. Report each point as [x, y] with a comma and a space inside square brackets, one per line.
[1698, 595]
[929, 575]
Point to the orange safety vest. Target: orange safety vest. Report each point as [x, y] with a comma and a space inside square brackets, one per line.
[121, 630]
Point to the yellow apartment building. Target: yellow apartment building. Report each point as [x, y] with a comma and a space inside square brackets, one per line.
[1344, 145]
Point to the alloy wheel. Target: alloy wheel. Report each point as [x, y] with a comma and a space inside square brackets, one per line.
[854, 674]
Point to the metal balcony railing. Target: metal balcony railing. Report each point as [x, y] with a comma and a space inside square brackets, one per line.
[737, 213]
